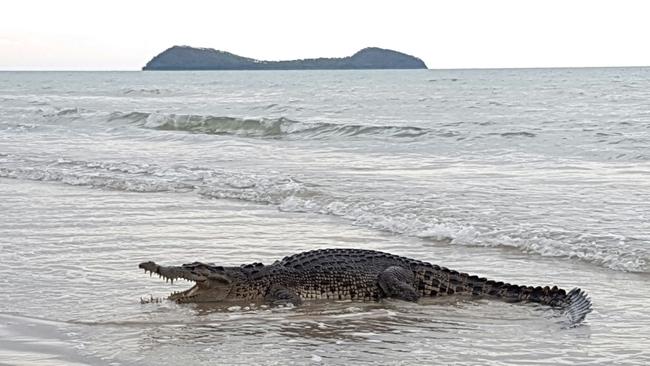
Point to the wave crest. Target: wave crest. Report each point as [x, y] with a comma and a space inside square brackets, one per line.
[262, 127]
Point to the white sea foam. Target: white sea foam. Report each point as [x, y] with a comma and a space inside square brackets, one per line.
[290, 195]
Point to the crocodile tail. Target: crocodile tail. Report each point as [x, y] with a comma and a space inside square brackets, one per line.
[439, 281]
[575, 304]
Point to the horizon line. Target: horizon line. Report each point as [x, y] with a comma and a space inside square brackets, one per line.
[428, 69]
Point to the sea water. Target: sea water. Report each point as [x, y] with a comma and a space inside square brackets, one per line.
[535, 177]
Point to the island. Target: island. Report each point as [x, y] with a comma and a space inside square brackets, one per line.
[191, 58]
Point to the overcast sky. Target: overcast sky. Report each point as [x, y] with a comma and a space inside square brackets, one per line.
[125, 34]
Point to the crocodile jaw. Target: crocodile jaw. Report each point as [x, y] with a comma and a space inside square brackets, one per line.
[172, 274]
[184, 296]
[208, 287]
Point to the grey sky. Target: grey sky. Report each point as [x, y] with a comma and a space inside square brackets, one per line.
[119, 34]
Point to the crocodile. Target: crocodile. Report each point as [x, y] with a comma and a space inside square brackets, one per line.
[352, 274]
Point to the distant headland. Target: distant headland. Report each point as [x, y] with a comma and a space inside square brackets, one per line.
[191, 58]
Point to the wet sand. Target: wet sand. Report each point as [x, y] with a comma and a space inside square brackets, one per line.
[88, 309]
[30, 341]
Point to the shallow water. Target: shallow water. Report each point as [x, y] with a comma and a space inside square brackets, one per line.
[528, 176]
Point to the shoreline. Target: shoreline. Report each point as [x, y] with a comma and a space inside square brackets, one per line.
[26, 340]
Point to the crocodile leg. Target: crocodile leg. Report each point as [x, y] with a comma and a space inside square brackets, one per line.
[280, 295]
[397, 282]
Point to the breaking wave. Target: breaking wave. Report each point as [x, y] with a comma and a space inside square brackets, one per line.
[291, 195]
[262, 127]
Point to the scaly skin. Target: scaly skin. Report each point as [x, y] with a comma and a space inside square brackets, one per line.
[352, 274]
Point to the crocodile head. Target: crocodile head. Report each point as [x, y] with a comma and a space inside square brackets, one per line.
[211, 283]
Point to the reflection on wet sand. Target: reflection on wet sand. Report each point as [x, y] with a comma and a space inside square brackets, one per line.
[323, 321]
[348, 330]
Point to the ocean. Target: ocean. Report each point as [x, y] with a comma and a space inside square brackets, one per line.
[529, 176]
